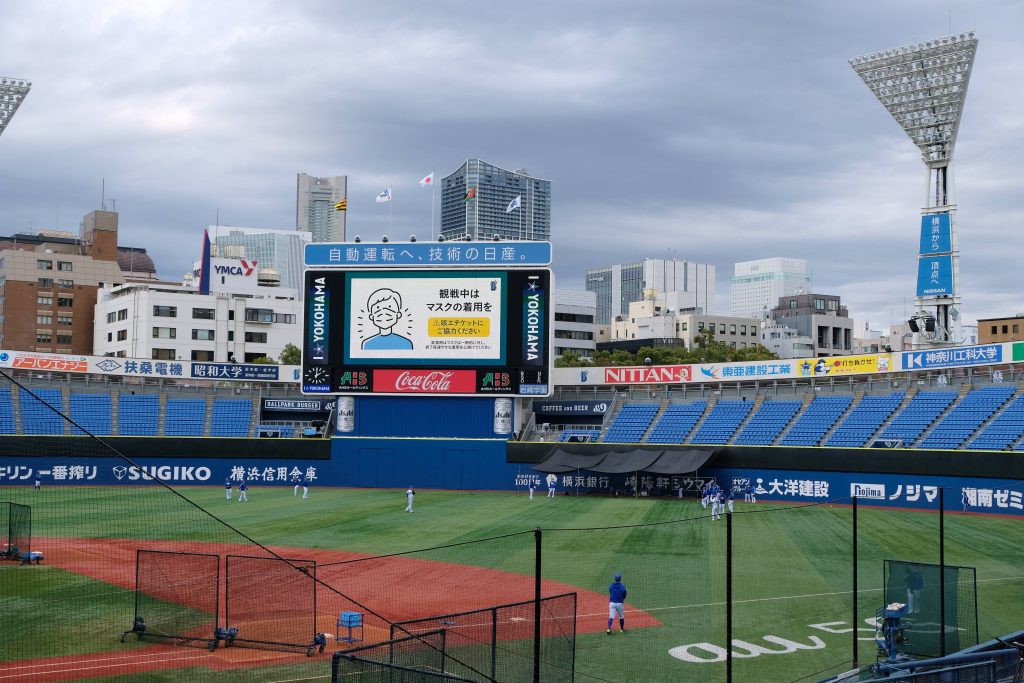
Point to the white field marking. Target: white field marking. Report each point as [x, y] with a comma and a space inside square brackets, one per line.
[313, 678]
[119, 664]
[775, 599]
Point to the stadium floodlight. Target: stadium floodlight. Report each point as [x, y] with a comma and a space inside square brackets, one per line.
[923, 87]
[12, 92]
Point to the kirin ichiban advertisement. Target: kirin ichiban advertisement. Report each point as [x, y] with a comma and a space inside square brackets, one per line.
[432, 332]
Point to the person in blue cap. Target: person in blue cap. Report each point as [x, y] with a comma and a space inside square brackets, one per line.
[616, 598]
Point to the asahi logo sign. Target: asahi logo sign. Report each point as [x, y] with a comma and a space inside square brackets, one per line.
[424, 381]
[162, 472]
[503, 416]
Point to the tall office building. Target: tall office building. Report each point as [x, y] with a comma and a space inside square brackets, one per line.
[280, 250]
[314, 207]
[481, 201]
[682, 285]
[757, 285]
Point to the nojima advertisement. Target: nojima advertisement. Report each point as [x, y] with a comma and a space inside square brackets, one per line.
[437, 332]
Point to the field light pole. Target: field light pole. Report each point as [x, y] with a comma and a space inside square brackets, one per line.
[923, 87]
[12, 92]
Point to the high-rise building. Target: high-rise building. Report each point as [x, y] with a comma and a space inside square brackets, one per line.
[681, 285]
[757, 285]
[280, 250]
[314, 207]
[480, 201]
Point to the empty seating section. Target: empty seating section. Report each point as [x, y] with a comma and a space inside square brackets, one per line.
[817, 419]
[231, 417]
[92, 412]
[36, 418]
[966, 416]
[767, 423]
[677, 422]
[721, 422]
[579, 435]
[631, 423]
[1002, 432]
[138, 414]
[282, 431]
[185, 417]
[6, 412]
[864, 420]
[915, 417]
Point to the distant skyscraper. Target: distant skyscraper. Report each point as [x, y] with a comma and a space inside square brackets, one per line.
[680, 284]
[757, 285]
[314, 207]
[481, 200]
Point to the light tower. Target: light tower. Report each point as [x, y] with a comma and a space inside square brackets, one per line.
[923, 86]
[12, 92]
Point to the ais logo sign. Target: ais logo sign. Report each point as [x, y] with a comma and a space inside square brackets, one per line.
[497, 380]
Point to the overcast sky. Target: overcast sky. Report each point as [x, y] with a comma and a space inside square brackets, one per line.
[716, 131]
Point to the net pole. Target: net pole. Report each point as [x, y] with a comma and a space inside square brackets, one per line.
[494, 643]
[537, 539]
[728, 598]
[856, 620]
[942, 571]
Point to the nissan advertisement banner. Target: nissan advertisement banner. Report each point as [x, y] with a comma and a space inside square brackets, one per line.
[428, 332]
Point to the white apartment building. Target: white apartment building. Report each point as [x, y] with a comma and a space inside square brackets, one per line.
[574, 329]
[166, 321]
[785, 342]
[650, 320]
[757, 285]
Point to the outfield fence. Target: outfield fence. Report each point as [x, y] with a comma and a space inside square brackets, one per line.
[766, 593]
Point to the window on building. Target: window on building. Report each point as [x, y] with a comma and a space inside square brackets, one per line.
[65, 319]
[122, 314]
[231, 335]
[66, 284]
[259, 315]
[64, 338]
[110, 336]
[231, 315]
[44, 265]
[792, 303]
[165, 333]
[122, 335]
[202, 335]
[1016, 328]
[250, 357]
[685, 325]
[164, 354]
[743, 330]
[255, 337]
[111, 317]
[721, 328]
[994, 329]
[700, 327]
[202, 314]
[165, 311]
[44, 319]
[832, 304]
[65, 301]
[1006, 329]
[45, 283]
[44, 300]
[66, 266]
[819, 304]
[732, 329]
[44, 338]
[202, 355]
[286, 318]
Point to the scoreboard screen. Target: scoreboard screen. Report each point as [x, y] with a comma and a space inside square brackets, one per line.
[435, 332]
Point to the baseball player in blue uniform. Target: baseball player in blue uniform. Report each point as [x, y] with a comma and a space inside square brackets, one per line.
[616, 598]
[227, 489]
[305, 486]
[242, 488]
[732, 494]
[964, 499]
[295, 480]
[704, 492]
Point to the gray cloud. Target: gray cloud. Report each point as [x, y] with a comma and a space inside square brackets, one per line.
[720, 131]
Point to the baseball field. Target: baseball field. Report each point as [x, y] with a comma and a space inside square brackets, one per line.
[792, 578]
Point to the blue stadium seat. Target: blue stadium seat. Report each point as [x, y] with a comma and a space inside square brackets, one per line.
[36, 418]
[767, 423]
[864, 420]
[677, 422]
[721, 422]
[816, 419]
[631, 423]
[138, 414]
[185, 417]
[92, 412]
[1006, 429]
[6, 412]
[231, 417]
[915, 417]
[966, 416]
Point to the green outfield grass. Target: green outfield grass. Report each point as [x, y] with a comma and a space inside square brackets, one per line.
[791, 567]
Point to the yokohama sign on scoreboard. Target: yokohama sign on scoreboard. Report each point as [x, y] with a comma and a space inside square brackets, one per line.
[430, 332]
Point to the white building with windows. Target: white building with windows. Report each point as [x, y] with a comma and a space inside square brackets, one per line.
[167, 321]
[757, 285]
[573, 328]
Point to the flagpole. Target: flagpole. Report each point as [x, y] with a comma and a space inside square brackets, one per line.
[391, 209]
[433, 198]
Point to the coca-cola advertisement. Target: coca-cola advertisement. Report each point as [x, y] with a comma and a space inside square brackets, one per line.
[424, 381]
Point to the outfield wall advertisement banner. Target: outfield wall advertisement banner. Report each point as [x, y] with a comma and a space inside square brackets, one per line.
[136, 367]
[440, 332]
[953, 357]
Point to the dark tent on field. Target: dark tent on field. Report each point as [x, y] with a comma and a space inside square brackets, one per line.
[681, 461]
[563, 461]
[627, 461]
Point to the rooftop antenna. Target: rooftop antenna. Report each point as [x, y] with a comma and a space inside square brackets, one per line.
[103, 195]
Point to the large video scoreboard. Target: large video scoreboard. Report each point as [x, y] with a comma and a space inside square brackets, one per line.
[480, 329]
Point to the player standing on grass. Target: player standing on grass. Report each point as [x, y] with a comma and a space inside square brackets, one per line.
[552, 480]
[964, 500]
[616, 598]
[39, 483]
[305, 486]
[242, 488]
[227, 489]
[732, 494]
[295, 480]
[409, 493]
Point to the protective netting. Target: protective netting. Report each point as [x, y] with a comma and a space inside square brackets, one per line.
[929, 613]
[270, 601]
[176, 595]
[16, 527]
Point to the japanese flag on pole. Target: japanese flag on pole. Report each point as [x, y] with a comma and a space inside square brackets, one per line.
[428, 181]
[514, 204]
[384, 196]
